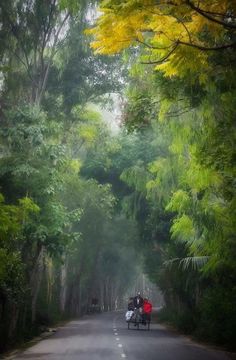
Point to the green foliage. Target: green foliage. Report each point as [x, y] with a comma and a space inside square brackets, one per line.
[9, 219]
[183, 321]
[28, 206]
[180, 202]
[12, 282]
[218, 316]
[183, 228]
[12, 217]
[55, 227]
[81, 208]
[189, 192]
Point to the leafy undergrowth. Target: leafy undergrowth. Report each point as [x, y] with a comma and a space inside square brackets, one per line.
[203, 327]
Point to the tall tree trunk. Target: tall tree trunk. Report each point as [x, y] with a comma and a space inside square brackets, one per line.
[63, 288]
[14, 318]
[36, 281]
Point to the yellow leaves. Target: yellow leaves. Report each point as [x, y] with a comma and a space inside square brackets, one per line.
[172, 33]
[117, 30]
[116, 33]
[185, 60]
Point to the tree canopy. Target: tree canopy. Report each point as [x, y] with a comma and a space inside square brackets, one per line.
[84, 210]
[170, 32]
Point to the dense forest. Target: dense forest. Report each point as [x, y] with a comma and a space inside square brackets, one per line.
[84, 209]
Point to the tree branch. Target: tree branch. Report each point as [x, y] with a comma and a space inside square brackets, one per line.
[165, 57]
[153, 47]
[53, 51]
[207, 16]
[204, 48]
[23, 63]
[187, 31]
[176, 113]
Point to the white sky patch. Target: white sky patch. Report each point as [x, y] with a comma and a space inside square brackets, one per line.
[92, 14]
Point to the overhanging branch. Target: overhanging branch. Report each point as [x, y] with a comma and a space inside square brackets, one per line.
[211, 18]
[165, 58]
[205, 48]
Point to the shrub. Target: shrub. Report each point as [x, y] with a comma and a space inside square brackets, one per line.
[218, 316]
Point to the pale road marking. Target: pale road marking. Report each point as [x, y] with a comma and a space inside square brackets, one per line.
[116, 334]
[117, 339]
[123, 355]
[120, 345]
[115, 329]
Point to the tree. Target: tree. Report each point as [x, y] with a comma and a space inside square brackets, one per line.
[178, 37]
[44, 137]
[191, 45]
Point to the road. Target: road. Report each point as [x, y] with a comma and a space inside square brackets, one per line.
[105, 336]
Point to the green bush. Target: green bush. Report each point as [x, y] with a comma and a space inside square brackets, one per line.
[218, 316]
[183, 320]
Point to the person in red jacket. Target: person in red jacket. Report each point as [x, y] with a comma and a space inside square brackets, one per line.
[147, 309]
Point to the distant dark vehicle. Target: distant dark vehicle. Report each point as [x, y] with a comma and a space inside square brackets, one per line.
[94, 307]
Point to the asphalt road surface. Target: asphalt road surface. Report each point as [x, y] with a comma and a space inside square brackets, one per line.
[106, 336]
